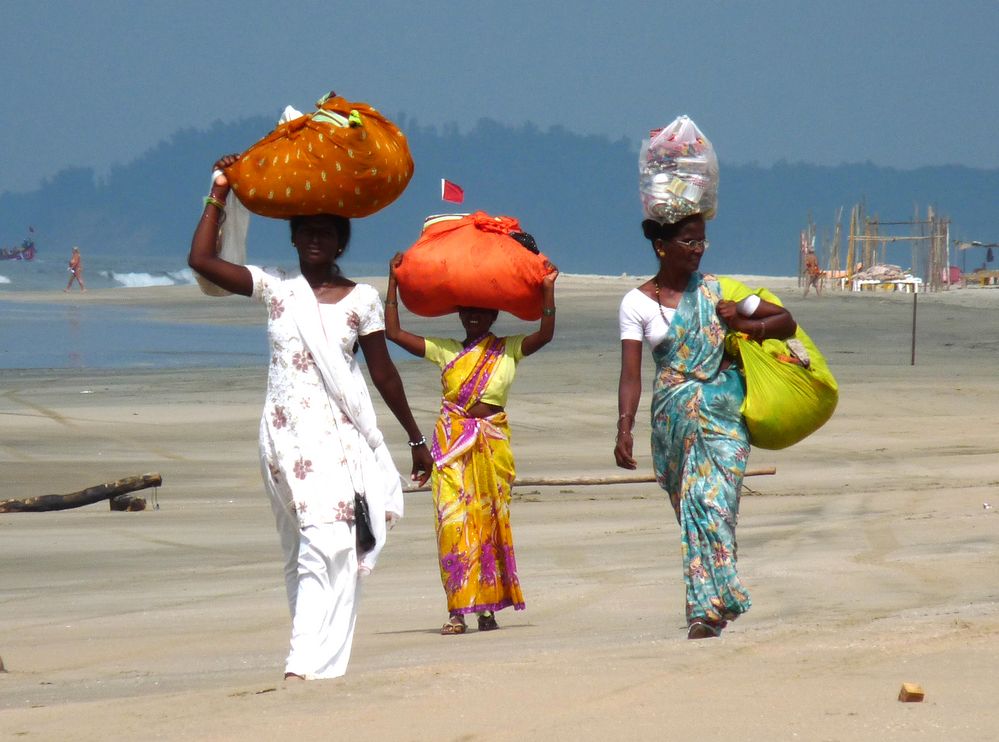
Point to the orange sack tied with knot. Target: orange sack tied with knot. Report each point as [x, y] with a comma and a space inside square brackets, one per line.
[344, 158]
[471, 260]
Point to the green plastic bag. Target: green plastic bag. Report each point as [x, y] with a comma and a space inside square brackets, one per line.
[785, 401]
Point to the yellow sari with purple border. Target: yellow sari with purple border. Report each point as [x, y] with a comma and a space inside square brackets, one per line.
[700, 446]
[471, 481]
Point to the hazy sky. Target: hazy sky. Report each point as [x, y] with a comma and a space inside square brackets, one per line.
[901, 83]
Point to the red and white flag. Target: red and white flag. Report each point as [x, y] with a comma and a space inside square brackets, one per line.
[451, 192]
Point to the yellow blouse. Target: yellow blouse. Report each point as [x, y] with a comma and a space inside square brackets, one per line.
[444, 350]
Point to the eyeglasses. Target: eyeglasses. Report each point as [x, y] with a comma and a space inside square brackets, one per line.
[693, 244]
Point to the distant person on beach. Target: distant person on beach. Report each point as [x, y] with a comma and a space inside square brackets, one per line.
[699, 441]
[319, 444]
[813, 273]
[473, 462]
[75, 270]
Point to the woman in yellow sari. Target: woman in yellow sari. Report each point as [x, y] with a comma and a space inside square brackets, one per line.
[473, 463]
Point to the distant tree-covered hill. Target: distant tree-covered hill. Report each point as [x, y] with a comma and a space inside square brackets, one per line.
[576, 194]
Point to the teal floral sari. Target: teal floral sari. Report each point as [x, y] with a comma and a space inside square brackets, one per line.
[700, 448]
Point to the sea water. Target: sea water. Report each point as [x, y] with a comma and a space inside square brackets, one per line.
[46, 273]
[83, 335]
[37, 335]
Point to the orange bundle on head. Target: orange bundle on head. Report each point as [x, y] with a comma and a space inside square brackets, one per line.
[471, 260]
[344, 159]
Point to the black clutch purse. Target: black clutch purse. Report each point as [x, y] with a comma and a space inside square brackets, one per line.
[362, 526]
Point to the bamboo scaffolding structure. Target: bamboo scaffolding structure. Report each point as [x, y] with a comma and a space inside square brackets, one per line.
[916, 221]
[870, 249]
[883, 239]
[588, 481]
[834, 257]
[867, 246]
[851, 253]
[942, 253]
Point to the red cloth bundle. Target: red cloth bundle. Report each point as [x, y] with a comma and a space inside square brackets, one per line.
[471, 261]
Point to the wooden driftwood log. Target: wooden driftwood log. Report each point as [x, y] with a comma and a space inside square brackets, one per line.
[586, 481]
[88, 496]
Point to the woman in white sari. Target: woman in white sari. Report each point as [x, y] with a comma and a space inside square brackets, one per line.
[319, 444]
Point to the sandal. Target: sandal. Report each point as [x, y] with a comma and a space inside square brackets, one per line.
[700, 629]
[487, 621]
[454, 626]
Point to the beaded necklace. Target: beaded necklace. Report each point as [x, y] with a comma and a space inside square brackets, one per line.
[655, 281]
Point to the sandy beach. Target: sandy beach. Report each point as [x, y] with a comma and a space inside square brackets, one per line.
[871, 555]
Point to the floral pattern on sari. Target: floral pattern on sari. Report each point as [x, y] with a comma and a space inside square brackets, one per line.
[700, 448]
[471, 482]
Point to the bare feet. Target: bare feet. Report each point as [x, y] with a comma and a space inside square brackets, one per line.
[293, 676]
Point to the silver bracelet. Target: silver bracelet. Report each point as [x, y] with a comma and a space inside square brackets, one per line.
[416, 444]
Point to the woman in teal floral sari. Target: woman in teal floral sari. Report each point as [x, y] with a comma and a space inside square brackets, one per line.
[699, 440]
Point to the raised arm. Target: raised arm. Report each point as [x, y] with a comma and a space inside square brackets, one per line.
[385, 376]
[203, 258]
[414, 344]
[768, 321]
[629, 393]
[538, 340]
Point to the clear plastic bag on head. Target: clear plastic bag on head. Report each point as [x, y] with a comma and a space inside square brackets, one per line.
[678, 173]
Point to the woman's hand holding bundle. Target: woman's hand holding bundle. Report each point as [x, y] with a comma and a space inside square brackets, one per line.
[549, 280]
[220, 186]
